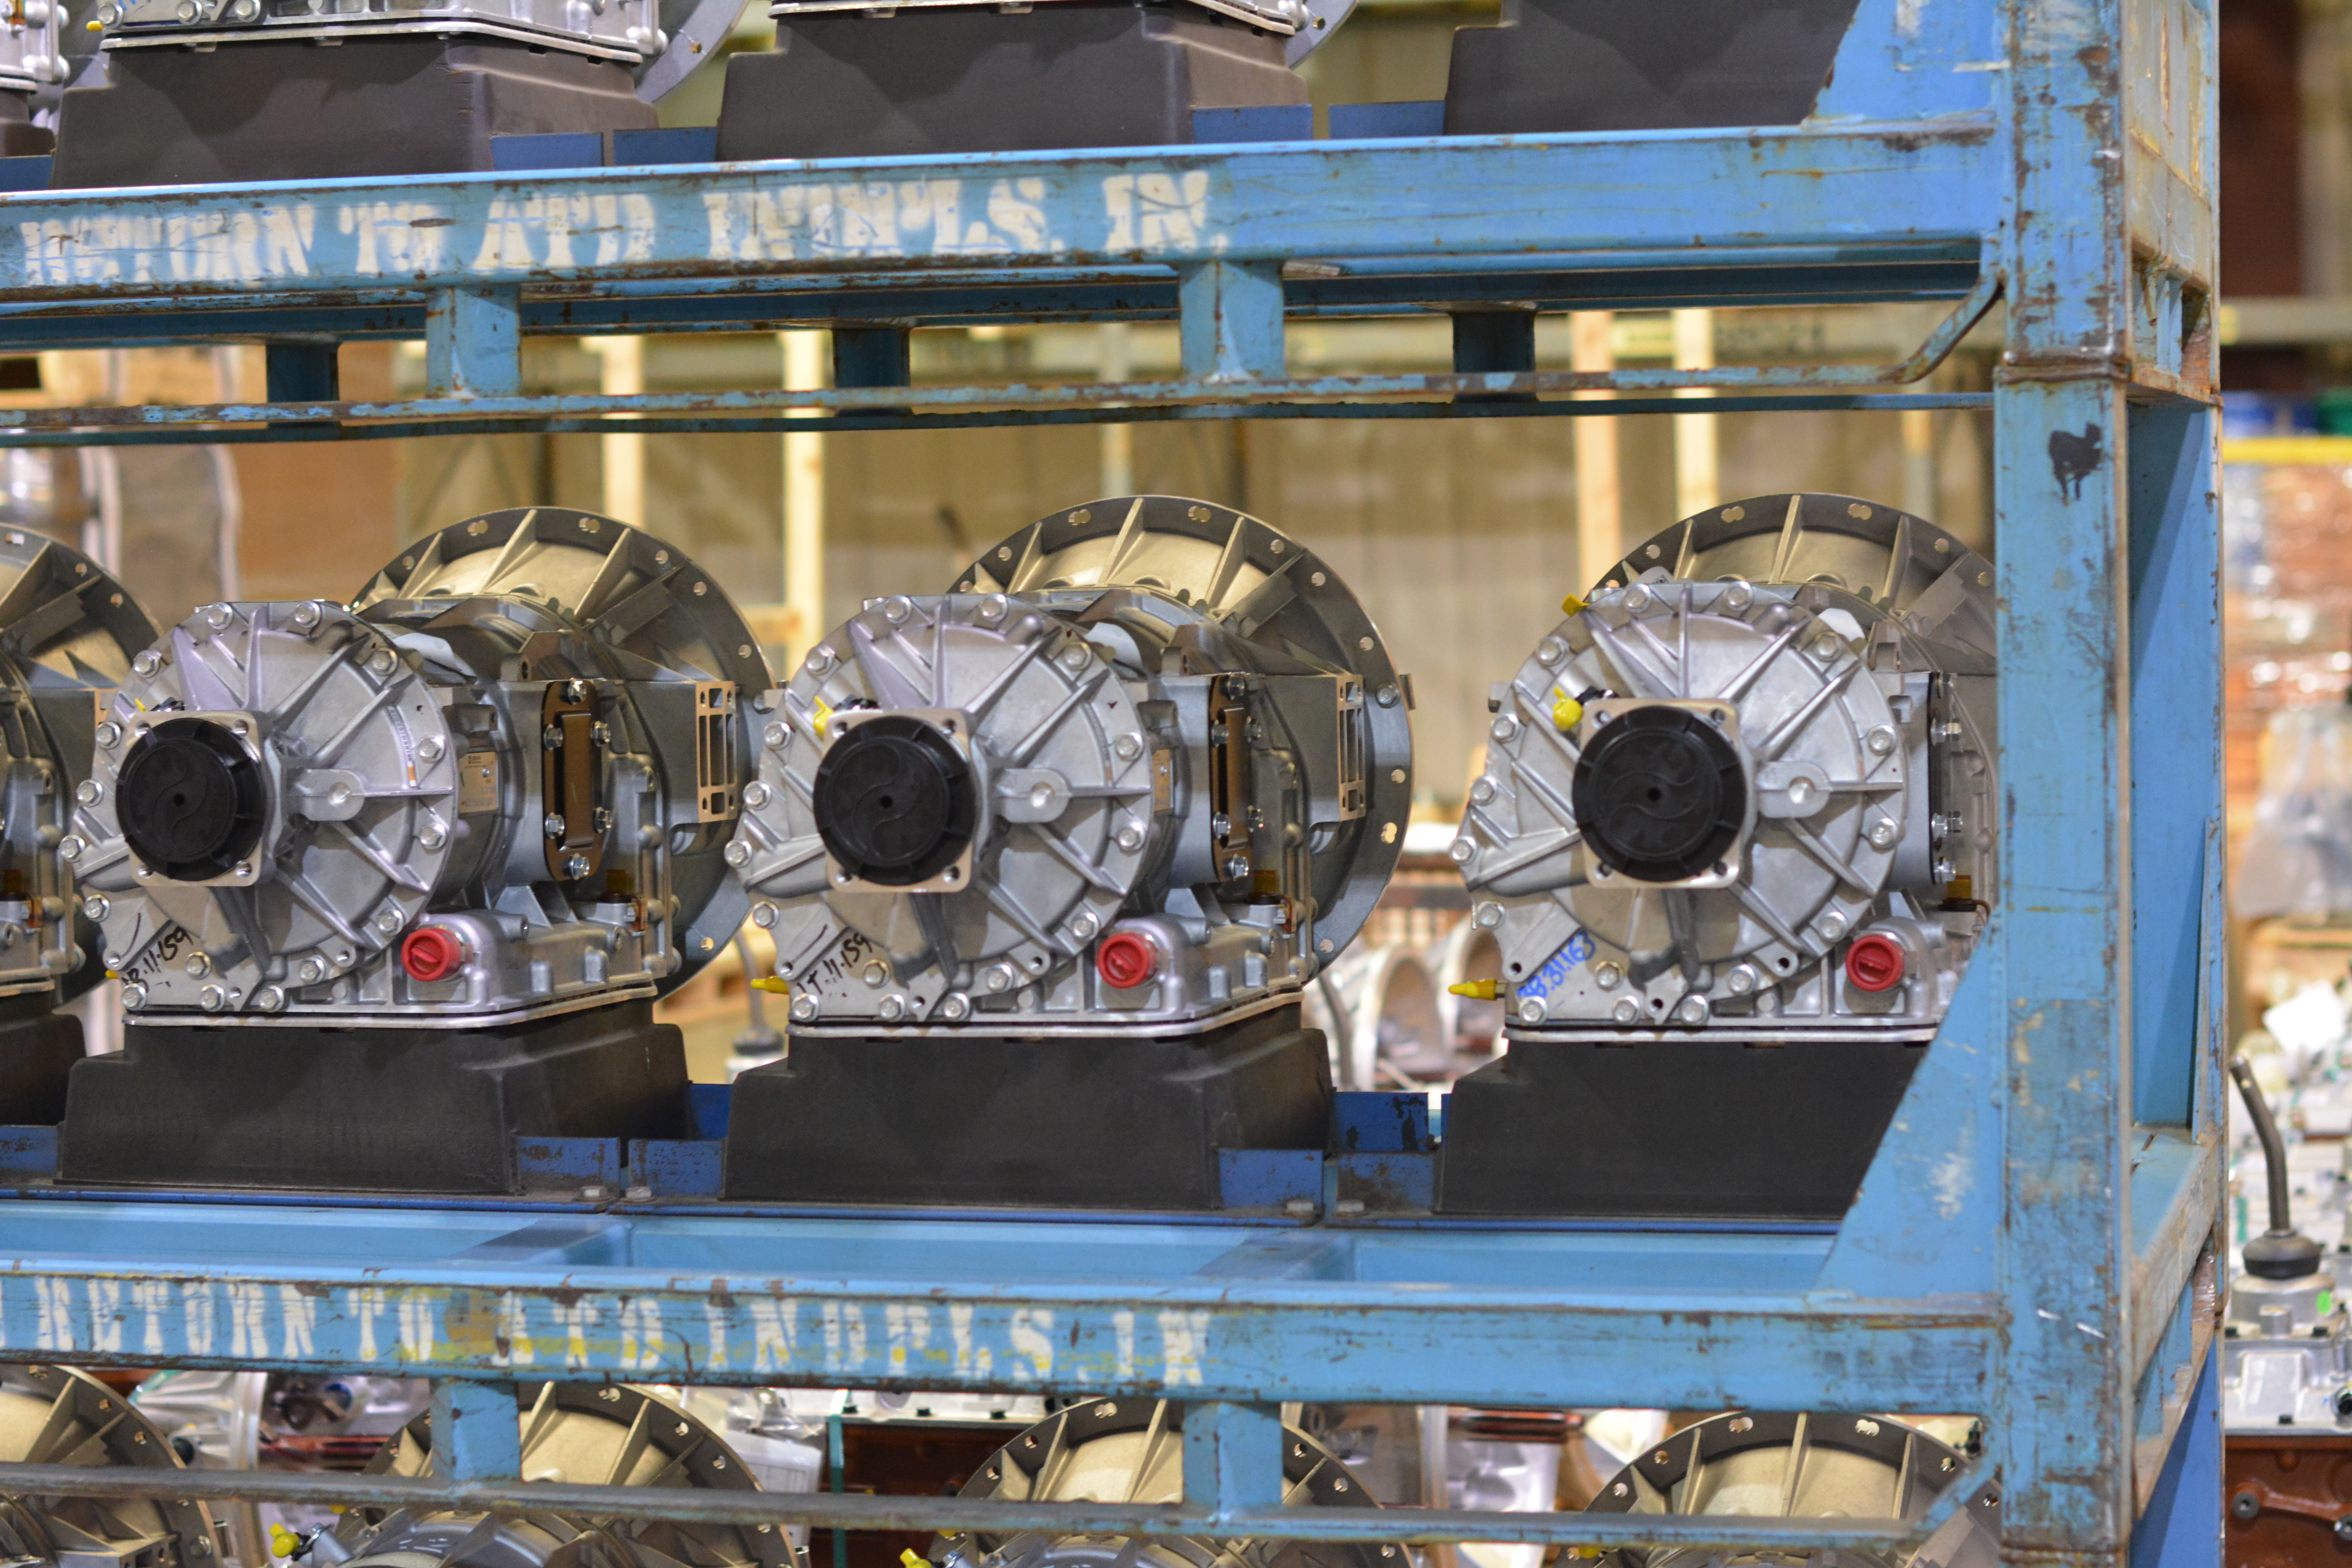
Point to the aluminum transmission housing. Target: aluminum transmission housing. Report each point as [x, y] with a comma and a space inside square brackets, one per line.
[495, 788]
[68, 635]
[1147, 765]
[1813, 1464]
[55, 1416]
[586, 1435]
[1749, 788]
[1132, 1451]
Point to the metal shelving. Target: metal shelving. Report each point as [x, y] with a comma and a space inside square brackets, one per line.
[2031, 1239]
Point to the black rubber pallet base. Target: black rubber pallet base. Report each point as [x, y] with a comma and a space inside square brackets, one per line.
[38, 1048]
[297, 111]
[1105, 1122]
[393, 1111]
[1691, 1129]
[1077, 73]
[1636, 65]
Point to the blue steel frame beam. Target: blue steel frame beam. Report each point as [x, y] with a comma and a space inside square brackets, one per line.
[1684, 191]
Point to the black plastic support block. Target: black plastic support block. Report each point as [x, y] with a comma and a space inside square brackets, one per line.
[426, 1110]
[1101, 1121]
[1695, 1128]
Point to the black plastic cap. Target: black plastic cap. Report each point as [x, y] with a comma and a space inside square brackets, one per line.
[895, 801]
[191, 800]
[1659, 796]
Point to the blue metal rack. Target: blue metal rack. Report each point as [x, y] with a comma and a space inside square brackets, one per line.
[2031, 1236]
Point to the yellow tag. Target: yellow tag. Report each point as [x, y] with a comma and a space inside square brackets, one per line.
[1476, 990]
[769, 983]
[1566, 712]
[1570, 605]
[910, 1558]
[823, 715]
[283, 1541]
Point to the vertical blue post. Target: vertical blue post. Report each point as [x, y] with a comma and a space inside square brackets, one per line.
[1233, 1457]
[836, 1461]
[2063, 1394]
[2181, 1526]
[473, 342]
[2176, 751]
[477, 1431]
[1232, 327]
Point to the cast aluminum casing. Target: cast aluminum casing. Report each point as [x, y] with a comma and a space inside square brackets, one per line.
[32, 47]
[1843, 653]
[1076, 668]
[2286, 1363]
[1807, 1465]
[1308, 20]
[586, 1433]
[68, 633]
[625, 30]
[417, 753]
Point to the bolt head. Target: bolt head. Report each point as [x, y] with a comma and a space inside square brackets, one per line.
[553, 825]
[763, 916]
[1130, 837]
[70, 847]
[135, 997]
[389, 921]
[96, 906]
[269, 999]
[1627, 1011]
[430, 749]
[755, 794]
[305, 616]
[433, 837]
[1503, 727]
[1532, 1010]
[893, 1007]
[1881, 741]
[110, 734]
[90, 791]
[804, 1008]
[1462, 851]
[147, 663]
[310, 970]
[381, 662]
[212, 998]
[575, 867]
[1608, 976]
[775, 736]
[217, 617]
[738, 854]
[1127, 748]
[2245, 1505]
[1882, 834]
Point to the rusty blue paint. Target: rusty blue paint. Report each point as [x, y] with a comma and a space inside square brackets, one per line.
[2026, 1237]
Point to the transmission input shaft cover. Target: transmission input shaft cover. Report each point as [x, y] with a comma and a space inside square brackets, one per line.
[1748, 786]
[1148, 765]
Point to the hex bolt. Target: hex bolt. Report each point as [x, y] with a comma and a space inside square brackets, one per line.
[109, 734]
[775, 736]
[305, 616]
[755, 794]
[147, 663]
[575, 867]
[380, 662]
[738, 853]
[554, 825]
[432, 837]
[90, 792]
[1532, 1010]
[218, 617]
[763, 916]
[430, 749]
[551, 738]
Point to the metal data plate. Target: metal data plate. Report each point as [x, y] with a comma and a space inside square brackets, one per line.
[624, 30]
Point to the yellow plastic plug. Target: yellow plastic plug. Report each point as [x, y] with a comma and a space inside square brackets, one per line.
[283, 1542]
[1566, 712]
[1570, 605]
[910, 1558]
[773, 985]
[1477, 990]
